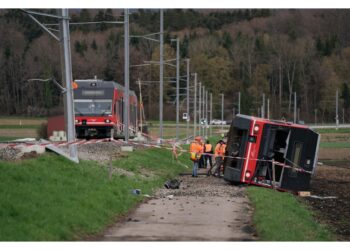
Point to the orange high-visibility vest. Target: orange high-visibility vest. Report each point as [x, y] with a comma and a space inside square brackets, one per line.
[208, 148]
[220, 150]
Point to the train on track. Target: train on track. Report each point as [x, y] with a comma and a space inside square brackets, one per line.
[271, 153]
[99, 109]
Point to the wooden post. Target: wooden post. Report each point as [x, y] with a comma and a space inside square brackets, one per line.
[273, 175]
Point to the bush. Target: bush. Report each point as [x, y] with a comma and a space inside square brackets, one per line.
[42, 131]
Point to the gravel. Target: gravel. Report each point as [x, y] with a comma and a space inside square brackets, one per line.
[9, 154]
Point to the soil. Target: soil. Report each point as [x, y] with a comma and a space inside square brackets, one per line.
[332, 181]
[202, 209]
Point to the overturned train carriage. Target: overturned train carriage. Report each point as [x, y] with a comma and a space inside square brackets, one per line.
[270, 153]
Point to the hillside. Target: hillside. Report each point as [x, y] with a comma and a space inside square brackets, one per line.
[275, 52]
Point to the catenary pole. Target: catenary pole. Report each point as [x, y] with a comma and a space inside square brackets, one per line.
[199, 108]
[295, 107]
[177, 86]
[188, 97]
[211, 112]
[195, 107]
[239, 102]
[67, 73]
[206, 113]
[126, 74]
[222, 112]
[336, 110]
[161, 77]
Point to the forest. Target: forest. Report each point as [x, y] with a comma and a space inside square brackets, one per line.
[275, 52]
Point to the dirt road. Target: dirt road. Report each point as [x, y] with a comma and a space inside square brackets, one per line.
[203, 209]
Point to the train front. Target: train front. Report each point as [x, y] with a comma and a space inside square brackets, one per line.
[93, 108]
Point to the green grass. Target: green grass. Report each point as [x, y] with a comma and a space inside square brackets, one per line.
[19, 126]
[332, 130]
[281, 217]
[335, 144]
[51, 199]
[8, 138]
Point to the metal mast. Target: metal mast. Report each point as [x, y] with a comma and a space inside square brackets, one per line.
[188, 96]
[161, 77]
[126, 74]
[68, 79]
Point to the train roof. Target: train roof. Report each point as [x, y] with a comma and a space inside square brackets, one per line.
[275, 122]
[102, 83]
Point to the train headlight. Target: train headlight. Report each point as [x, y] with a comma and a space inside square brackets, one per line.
[247, 174]
[76, 121]
[107, 121]
[256, 129]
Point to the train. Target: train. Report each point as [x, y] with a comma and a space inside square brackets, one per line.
[99, 109]
[270, 153]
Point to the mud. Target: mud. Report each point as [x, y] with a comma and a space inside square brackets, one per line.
[332, 181]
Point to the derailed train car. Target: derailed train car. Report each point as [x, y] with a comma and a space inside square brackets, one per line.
[99, 109]
[271, 153]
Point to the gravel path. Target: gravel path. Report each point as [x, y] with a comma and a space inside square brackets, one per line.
[203, 209]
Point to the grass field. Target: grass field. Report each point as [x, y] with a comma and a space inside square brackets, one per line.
[51, 199]
[335, 144]
[280, 217]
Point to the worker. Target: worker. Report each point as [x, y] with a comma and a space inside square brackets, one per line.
[208, 150]
[196, 150]
[219, 156]
[201, 159]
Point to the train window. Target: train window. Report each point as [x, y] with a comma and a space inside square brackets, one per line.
[298, 146]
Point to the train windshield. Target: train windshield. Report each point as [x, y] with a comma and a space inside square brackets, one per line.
[90, 107]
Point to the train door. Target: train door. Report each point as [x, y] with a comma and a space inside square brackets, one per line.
[301, 153]
[273, 146]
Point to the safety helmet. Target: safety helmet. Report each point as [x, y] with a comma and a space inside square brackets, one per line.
[198, 138]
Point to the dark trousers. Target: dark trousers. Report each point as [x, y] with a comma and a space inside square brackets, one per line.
[206, 158]
[201, 162]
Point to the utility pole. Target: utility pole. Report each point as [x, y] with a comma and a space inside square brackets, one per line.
[161, 77]
[203, 108]
[200, 106]
[211, 112]
[195, 107]
[222, 112]
[315, 116]
[263, 107]
[268, 108]
[177, 85]
[295, 107]
[188, 97]
[67, 73]
[336, 110]
[126, 74]
[206, 113]
[343, 116]
[239, 102]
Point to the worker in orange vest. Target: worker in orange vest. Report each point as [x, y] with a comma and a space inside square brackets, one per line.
[196, 150]
[219, 156]
[208, 150]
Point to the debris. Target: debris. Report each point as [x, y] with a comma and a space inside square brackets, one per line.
[320, 163]
[136, 191]
[146, 195]
[172, 184]
[304, 193]
[323, 198]
[127, 148]
[170, 197]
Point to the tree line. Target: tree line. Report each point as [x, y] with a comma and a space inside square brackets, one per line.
[255, 52]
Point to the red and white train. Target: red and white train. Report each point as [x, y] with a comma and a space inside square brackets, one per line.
[255, 143]
[99, 108]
